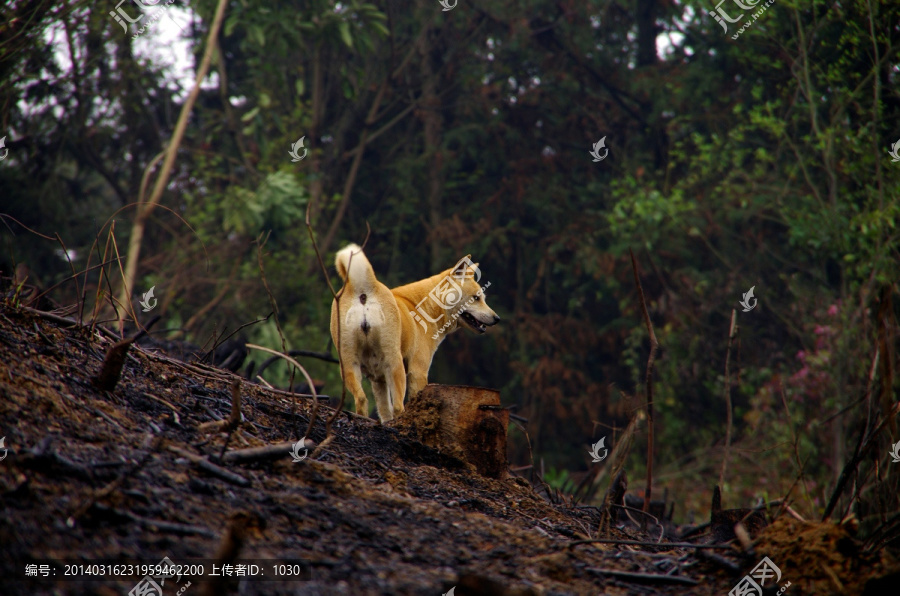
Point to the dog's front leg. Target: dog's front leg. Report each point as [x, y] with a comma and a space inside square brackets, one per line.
[417, 377]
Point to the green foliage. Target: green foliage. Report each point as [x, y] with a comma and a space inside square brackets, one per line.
[760, 161]
[277, 204]
[559, 480]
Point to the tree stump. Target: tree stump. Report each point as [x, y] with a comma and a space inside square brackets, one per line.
[466, 422]
[722, 521]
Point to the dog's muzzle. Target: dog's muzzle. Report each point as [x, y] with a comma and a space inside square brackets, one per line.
[476, 325]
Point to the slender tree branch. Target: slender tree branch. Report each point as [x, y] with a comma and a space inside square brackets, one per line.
[729, 411]
[140, 222]
[654, 344]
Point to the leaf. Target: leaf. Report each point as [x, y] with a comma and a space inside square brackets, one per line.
[344, 28]
[300, 86]
[380, 28]
[256, 33]
[230, 24]
[250, 115]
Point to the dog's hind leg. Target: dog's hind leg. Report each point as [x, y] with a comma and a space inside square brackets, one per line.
[397, 385]
[353, 381]
[382, 401]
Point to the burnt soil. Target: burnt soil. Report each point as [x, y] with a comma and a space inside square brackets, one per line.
[91, 476]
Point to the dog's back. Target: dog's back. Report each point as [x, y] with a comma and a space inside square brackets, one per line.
[369, 341]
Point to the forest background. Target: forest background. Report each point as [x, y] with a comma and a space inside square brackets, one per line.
[756, 157]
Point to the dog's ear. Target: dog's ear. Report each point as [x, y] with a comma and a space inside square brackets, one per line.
[460, 268]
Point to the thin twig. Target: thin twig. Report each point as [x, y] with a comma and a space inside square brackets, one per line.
[350, 180]
[318, 355]
[73, 276]
[208, 466]
[309, 380]
[863, 447]
[260, 242]
[801, 466]
[226, 288]
[645, 543]
[649, 577]
[224, 339]
[125, 298]
[66, 252]
[257, 454]
[166, 526]
[235, 419]
[321, 446]
[654, 344]
[169, 405]
[104, 274]
[66, 321]
[729, 413]
[616, 461]
[662, 529]
[530, 452]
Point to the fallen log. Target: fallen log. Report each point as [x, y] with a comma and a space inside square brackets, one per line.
[466, 422]
[723, 521]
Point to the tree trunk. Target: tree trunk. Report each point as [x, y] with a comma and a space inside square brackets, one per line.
[465, 422]
[430, 115]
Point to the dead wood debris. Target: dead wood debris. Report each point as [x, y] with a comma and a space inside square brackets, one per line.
[374, 512]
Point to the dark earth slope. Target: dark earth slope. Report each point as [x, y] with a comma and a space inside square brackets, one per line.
[94, 475]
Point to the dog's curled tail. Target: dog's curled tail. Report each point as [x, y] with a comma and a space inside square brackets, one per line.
[353, 267]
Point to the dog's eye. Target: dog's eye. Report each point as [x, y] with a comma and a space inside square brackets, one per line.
[477, 298]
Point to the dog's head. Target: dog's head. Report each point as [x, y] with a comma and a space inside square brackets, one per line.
[472, 309]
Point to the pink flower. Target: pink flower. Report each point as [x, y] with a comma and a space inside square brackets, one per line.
[833, 310]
